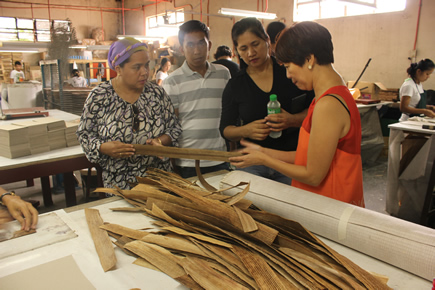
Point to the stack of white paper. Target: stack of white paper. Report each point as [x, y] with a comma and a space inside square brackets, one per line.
[38, 136]
[70, 134]
[14, 141]
[56, 132]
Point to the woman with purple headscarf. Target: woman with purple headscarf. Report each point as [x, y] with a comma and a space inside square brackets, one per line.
[127, 110]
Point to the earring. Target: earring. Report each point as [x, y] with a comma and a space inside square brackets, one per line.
[309, 66]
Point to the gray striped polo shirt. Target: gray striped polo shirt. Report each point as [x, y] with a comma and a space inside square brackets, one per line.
[199, 103]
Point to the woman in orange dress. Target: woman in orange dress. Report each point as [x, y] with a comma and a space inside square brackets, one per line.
[328, 157]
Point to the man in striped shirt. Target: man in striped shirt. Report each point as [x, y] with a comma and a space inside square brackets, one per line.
[196, 91]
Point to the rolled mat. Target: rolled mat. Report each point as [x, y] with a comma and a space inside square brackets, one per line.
[405, 245]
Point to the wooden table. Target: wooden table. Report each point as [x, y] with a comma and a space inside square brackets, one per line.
[62, 161]
[411, 158]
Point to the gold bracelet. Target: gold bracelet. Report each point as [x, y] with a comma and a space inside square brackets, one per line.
[160, 141]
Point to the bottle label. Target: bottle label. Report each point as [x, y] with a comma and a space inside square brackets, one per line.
[273, 111]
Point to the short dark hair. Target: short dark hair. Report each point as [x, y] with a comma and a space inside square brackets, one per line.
[75, 72]
[301, 40]
[223, 50]
[273, 30]
[17, 63]
[423, 65]
[192, 26]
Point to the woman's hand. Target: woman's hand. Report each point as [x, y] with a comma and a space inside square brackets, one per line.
[22, 211]
[430, 113]
[252, 155]
[155, 142]
[283, 120]
[257, 130]
[117, 149]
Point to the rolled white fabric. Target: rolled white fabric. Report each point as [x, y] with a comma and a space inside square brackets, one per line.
[405, 245]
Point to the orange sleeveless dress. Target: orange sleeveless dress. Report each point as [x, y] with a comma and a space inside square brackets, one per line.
[344, 179]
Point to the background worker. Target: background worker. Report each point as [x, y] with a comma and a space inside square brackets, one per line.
[17, 75]
[412, 94]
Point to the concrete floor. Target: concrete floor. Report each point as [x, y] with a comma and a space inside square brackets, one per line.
[374, 179]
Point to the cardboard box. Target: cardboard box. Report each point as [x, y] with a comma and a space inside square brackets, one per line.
[88, 41]
[372, 89]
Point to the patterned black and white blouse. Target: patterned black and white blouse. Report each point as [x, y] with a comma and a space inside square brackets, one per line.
[107, 117]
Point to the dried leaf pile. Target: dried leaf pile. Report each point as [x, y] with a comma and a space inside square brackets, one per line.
[208, 240]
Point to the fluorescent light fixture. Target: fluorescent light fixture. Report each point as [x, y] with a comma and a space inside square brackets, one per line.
[78, 46]
[247, 13]
[167, 25]
[140, 37]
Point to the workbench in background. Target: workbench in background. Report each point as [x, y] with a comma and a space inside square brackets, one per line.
[411, 173]
[61, 161]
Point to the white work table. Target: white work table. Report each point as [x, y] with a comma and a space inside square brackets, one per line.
[127, 275]
[411, 156]
[60, 161]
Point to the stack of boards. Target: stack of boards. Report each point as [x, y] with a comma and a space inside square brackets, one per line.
[22, 138]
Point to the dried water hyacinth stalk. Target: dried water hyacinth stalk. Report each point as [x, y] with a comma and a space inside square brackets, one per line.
[187, 153]
[101, 239]
[208, 240]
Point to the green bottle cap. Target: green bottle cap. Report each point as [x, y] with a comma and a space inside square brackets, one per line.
[273, 98]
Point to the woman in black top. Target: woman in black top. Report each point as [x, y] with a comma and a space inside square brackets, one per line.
[245, 98]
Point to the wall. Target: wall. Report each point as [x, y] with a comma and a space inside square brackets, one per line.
[78, 12]
[386, 38]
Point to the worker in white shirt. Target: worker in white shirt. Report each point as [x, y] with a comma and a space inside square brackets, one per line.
[17, 75]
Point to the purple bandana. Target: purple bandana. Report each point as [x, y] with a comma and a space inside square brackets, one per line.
[122, 49]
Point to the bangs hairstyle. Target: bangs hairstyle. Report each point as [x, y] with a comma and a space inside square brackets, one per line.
[250, 24]
[192, 26]
[298, 42]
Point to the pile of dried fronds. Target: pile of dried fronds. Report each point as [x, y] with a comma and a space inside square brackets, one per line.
[214, 241]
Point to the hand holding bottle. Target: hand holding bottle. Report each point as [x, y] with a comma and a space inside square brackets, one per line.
[256, 130]
[273, 108]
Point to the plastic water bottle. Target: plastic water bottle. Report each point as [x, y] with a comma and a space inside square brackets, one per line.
[274, 107]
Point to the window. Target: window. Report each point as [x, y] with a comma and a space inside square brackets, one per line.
[18, 29]
[42, 30]
[321, 9]
[165, 24]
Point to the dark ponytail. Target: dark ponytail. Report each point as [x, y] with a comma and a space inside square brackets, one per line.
[422, 65]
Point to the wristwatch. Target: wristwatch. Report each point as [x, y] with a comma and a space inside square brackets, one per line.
[12, 193]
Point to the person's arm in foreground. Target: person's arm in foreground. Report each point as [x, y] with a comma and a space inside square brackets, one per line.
[21, 210]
